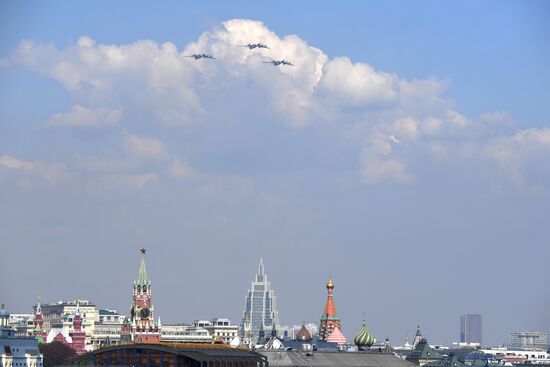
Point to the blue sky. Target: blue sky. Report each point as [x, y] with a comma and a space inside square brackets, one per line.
[405, 153]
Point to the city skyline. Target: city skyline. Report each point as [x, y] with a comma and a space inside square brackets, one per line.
[470, 324]
[404, 152]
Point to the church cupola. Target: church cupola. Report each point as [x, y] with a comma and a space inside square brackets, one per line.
[303, 334]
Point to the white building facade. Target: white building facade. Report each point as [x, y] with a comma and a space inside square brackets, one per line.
[529, 339]
[17, 351]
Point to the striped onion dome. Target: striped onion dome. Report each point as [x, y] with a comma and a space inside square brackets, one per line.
[337, 337]
[363, 338]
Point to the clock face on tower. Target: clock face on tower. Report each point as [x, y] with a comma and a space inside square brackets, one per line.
[144, 313]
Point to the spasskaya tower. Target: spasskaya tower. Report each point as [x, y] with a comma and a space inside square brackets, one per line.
[141, 326]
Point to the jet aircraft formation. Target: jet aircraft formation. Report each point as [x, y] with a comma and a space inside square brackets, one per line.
[250, 46]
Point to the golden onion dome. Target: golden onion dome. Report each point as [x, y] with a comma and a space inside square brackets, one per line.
[330, 284]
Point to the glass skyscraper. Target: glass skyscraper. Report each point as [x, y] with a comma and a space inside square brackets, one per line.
[261, 307]
[471, 329]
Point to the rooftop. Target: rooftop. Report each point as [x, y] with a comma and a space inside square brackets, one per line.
[328, 359]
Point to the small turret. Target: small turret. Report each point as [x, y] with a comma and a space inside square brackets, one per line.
[417, 337]
[4, 317]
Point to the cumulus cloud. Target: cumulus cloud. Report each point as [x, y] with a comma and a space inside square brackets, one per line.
[373, 171]
[500, 117]
[120, 182]
[182, 170]
[516, 153]
[406, 128]
[28, 174]
[143, 75]
[150, 83]
[104, 165]
[143, 146]
[457, 119]
[357, 84]
[80, 116]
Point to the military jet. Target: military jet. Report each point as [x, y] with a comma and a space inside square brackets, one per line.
[279, 62]
[200, 56]
[252, 46]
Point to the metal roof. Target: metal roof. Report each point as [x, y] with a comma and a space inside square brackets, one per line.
[197, 352]
[329, 359]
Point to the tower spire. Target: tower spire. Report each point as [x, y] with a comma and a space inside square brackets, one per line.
[142, 278]
[38, 306]
[261, 267]
[77, 312]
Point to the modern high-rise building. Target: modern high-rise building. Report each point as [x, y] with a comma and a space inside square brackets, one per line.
[471, 329]
[261, 307]
[529, 339]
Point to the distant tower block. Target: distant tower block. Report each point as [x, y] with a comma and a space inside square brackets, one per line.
[329, 320]
[471, 329]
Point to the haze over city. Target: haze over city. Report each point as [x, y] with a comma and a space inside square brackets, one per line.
[404, 153]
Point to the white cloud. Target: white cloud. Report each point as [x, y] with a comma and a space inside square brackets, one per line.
[431, 125]
[378, 171]
[457, 119]
[406, 128]
[500, 117]
[121, 182]
[80, 116]
[386, 116]
[515, 153]
[104, 165]
[357, 84]
[143, 76]
[438, 150]
[182, 170]
[143, 147]
[535, 138]
[29, 174]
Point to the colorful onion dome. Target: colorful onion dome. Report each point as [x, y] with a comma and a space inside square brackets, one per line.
[337, 337]
[303, 334]
[363, 338]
